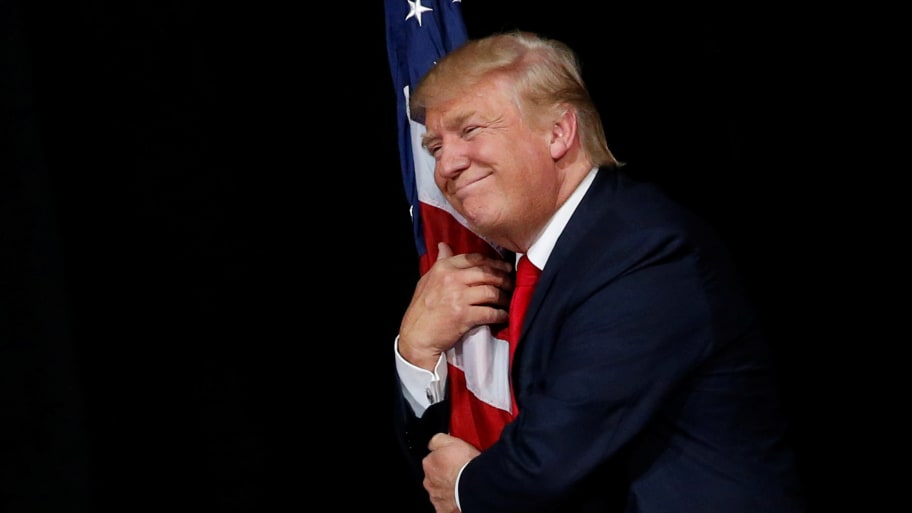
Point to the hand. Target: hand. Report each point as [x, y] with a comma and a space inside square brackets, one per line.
[441, 468]
[455, 295]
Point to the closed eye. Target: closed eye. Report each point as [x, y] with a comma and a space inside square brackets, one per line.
[469, 130]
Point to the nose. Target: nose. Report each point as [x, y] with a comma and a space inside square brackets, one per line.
[452, 159]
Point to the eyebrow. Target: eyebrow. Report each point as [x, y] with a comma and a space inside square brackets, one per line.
[428, 138]
[450, 124]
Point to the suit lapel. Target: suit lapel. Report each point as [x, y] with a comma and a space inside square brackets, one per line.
[591, 207]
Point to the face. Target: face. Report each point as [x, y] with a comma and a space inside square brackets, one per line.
[492, 166]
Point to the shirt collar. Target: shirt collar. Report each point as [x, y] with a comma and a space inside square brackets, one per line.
[541, 248]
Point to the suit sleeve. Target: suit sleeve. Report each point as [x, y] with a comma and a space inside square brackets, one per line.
[412, 433]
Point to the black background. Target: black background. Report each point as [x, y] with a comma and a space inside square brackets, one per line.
[206, 248]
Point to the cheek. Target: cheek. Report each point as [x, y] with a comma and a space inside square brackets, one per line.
[439, 181]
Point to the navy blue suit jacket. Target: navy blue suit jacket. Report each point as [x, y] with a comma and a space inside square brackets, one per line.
[643, 379]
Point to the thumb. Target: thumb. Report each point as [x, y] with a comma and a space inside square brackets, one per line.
[443, 250]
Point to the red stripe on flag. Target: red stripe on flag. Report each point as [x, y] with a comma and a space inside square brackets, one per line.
[477, 422]
[440, 226]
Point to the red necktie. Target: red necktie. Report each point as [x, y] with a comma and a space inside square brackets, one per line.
[526, 276]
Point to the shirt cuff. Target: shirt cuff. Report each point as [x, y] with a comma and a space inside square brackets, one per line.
[456, 491]
[421, 387]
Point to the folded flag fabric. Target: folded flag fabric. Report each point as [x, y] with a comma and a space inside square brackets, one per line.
[417, 34]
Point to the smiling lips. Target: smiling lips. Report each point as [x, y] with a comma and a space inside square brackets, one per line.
[459, 190]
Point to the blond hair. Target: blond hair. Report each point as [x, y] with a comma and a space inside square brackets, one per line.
[546, 74]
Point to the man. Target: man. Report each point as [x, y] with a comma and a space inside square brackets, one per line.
[642, 382]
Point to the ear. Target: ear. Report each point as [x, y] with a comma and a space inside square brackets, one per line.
[563, 133]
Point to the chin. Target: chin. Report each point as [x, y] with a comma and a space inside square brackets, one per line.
[477, 225]
[479, 216]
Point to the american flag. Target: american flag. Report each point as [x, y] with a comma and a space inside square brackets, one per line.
[417, 34]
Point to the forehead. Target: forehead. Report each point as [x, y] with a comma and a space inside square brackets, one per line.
[483, 98]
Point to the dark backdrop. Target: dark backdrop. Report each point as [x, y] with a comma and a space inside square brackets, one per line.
[205, 249]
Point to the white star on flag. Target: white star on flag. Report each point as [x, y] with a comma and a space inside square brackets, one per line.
[416, 9]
